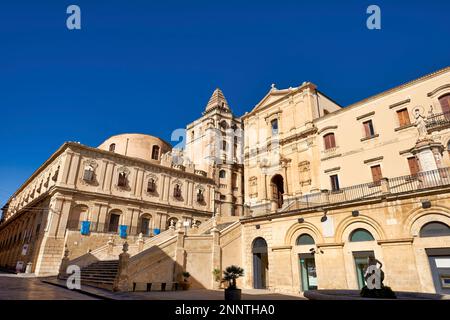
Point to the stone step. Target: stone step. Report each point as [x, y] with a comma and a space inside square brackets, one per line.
[98, 279]
[101, 269]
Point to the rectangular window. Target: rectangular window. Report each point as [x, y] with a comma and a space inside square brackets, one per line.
[413, 164]
[122, 180]
[155, 153]
[376, 173]
[274, 124]
[334, 182]
[403, 117]
[329, 141]
[368, 129]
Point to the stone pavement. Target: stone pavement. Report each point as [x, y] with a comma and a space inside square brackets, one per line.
[197, 294]
[13, 287]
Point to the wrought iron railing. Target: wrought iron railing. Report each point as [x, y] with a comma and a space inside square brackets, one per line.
[438, 120]
[393, 186]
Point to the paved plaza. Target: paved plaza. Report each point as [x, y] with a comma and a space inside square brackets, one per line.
[13, 287]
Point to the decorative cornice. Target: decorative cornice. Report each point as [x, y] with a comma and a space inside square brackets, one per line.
[373, 160]
[332, 169]
[445, 86]
[397, 104]
[280, 248]
[395, 241]
[297, 136]
[327, 128]
[365, 115]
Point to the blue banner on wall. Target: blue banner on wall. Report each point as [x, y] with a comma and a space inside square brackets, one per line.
[156, 231]
[85, 227]
[123, 231]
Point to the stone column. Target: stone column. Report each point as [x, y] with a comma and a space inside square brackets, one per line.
[180, 253]
[121, 283]
[71, 181]
[216, 255]
[66, 166]
[64, 216]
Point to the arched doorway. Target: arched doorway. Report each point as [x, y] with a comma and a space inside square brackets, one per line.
[77, 214]
[145, 224]
[277, 184]
[260, 263]
[114, 221]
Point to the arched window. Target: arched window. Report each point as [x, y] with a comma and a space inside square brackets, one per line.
[359, 235]
[222, 174]
[259, 245]
[112, 147]
[304, 239]
[171, 222]
[329, 141]
[223, 125]
[445, 103]
[435, 229]
[155, 153]
[76, 216]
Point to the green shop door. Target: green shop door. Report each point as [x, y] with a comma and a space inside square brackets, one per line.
[308, 272]
[361, 258]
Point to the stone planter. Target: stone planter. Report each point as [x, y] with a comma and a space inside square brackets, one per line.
[185, 285]
[233, 294]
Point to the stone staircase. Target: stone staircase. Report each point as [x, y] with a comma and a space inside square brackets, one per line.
[100, 274]
[99, 268]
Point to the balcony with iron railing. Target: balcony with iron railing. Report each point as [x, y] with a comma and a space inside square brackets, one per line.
[422, 181]
[438, 121]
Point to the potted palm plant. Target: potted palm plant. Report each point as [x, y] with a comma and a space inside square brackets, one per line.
[185, 284]
[230, 274]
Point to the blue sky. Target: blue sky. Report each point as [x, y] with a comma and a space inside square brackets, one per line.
[150, 66]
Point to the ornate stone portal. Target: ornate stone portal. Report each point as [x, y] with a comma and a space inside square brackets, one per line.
[427, 151]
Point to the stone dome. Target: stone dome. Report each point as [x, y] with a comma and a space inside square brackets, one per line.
[137, 145]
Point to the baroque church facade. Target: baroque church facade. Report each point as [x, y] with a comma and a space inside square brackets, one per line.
[300, 191]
